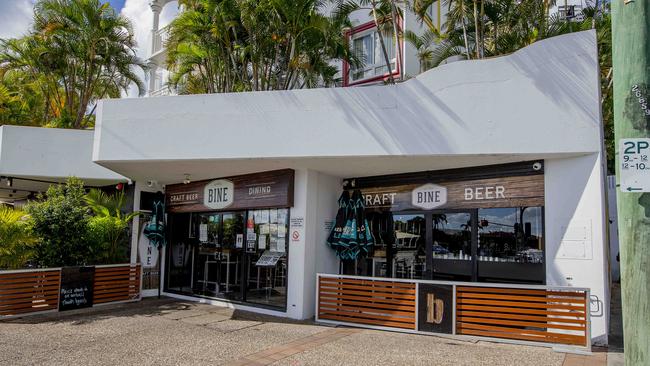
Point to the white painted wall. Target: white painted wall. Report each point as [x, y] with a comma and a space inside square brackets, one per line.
[299, 252]
[315, 196]
[542, 99]
[575, 199]
[51, 154]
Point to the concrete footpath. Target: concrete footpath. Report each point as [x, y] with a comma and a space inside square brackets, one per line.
[170, 332]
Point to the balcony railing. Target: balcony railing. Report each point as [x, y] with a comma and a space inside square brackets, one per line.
[159, 39]
[161, 92]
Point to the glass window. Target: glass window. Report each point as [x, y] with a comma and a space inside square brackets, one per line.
[409, 253]
[367, 48]
[267, 259]
[511, 235]
[452, 236]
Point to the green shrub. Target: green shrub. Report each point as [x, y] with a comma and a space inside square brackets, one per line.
[59, 220]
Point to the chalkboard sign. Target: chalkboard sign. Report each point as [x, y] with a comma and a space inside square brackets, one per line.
[76, 288]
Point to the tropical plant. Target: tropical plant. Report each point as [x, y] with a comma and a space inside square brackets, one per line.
[59, 221]
[109, 226]
[77, 52]
[16, 241]
[424, 46]
[241, 45]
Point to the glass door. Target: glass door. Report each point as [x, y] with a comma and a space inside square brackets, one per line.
[267, 265]
[451, 245]
[218, 258]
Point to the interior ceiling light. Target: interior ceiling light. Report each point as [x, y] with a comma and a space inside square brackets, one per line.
[187, 179]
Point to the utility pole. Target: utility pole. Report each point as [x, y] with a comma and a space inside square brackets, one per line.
[631, 63]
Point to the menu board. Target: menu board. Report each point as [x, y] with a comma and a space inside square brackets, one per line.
[269, 259]
[76, 288]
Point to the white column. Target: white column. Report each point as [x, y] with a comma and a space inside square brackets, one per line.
[315, 201]
[155, 8]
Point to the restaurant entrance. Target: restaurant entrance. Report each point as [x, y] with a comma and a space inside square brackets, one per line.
[228, 238]
[477, 224]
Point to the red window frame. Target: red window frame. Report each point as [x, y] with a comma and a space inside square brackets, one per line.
[346, 66]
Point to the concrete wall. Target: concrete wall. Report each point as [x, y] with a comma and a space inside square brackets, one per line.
[542, 99]
[51, 154]
[315, 196]
[576, 242]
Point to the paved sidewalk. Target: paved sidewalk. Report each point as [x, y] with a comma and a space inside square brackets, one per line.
[169, 332]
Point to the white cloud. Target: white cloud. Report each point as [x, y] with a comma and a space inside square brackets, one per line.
[15, 17]
[141, 16]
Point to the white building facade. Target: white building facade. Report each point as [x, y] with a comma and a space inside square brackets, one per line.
[263, 171]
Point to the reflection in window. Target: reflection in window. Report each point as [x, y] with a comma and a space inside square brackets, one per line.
[452, 236]
[409, 256]
[511, 235]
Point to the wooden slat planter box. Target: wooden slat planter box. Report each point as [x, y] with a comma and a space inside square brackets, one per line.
[116, 283]
[527, 314]
[532, 315]
[383, 303]
[31, 291]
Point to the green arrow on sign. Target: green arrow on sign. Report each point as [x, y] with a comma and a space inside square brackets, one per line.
[630, 189]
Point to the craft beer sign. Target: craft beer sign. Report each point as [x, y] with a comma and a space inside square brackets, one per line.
[261, 190]
[513, 191]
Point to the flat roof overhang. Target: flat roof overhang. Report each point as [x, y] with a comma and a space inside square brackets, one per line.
[174, 171]
[540, 102]
[34, 158]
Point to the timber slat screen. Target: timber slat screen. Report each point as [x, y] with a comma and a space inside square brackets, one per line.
[117, 283]
[371, 302]
[549, 316]
[28, 292]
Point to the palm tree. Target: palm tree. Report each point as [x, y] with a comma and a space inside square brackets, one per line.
[240, 45]
[423, 45]
[109, 225]
[81, 51]
[16, 241]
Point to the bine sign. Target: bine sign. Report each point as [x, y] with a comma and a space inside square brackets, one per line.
[429, 196]
[219, 194]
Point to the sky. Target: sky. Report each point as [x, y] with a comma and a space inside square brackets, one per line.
[16, 18]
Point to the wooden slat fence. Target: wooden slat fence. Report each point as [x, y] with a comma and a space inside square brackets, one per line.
[29, 291]
[549, 316]
[371, 302]
[116, 283]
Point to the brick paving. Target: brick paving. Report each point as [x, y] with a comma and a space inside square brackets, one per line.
[273, 354]
[169, 332]
[595, 359]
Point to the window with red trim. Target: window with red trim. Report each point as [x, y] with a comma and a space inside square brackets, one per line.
[365, 44]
